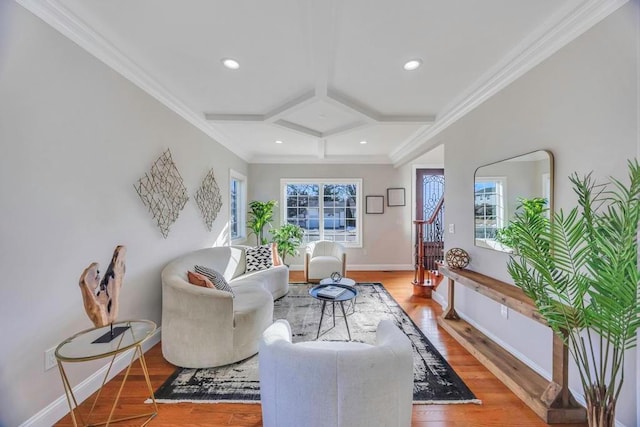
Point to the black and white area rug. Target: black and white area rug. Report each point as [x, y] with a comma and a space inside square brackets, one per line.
[435, 382]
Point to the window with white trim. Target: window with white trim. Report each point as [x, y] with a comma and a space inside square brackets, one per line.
[489, 207]
[326, 209]
[237, 205]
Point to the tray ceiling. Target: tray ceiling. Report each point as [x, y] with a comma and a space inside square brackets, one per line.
[322, 76]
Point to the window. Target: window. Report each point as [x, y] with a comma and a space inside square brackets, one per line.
[237, 205]
[326, 209]
[489, 207]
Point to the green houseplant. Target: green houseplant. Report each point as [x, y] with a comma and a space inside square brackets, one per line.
[260, 215]
[581, 270]
[534, 206]
[288, 238]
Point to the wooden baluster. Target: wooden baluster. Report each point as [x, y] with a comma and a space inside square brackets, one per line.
[420, 253]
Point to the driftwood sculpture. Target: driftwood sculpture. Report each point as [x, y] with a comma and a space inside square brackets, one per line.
[101, 297]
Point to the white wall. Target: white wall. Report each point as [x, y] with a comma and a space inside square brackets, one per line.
[581, 104]
[74, 138]
[386, 237]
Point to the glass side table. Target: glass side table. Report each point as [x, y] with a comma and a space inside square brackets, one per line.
[81, 347]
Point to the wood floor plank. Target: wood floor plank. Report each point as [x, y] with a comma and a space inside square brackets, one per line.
[500, 407]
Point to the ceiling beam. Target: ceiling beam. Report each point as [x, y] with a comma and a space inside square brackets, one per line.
[322, 21]
[346, 129]
[290, 107]
[310, 159]
[407, 120]
[298, 128]
[322, 148]
[351, 106]
[234, 118]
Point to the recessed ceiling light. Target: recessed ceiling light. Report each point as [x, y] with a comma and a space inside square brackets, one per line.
[231, 64]
[412, 64]
[363, 142]
[278, 142]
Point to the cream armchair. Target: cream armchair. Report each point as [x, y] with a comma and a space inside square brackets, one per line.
[335, 384]
[322, 258]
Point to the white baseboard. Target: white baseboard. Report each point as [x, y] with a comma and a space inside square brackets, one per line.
[365, 267]
[57, 409]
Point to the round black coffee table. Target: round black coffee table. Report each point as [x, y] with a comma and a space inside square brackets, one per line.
[349, 294]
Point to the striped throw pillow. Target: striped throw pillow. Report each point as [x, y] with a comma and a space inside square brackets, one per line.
[216, 278]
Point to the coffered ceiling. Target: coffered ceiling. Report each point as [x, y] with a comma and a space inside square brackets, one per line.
[322, 76]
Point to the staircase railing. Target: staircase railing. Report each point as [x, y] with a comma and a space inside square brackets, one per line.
[429, 242]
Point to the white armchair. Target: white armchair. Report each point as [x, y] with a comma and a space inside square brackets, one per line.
[334, 384]
[322, 258]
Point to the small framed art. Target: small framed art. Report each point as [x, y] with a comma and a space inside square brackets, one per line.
[375, 205]
[395, 197]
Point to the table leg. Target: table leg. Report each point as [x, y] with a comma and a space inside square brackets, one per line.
[71, 399]
[143, 363]
[73, 404]
[324, 304]
[333, 305]
[345, 319]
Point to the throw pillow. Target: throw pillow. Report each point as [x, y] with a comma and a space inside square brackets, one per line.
[199, 280]
[259, 258]
[275, 258]
[216, 278]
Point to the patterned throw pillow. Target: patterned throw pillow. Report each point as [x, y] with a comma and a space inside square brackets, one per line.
[259, 258]
[216, 278]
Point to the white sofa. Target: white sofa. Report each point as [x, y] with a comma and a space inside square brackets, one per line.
[335, 384]
[204, 327]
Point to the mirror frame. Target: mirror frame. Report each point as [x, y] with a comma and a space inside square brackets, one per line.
[550, 202]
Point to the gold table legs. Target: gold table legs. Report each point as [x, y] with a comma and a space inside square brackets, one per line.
[73, 404]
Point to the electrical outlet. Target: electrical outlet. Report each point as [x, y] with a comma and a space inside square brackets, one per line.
[452, 228]
[504, 311]
[50, 360]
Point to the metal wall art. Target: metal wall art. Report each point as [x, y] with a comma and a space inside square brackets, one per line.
[209, 199]
[163, 192]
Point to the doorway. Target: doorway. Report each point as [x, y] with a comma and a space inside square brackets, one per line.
[430, 216]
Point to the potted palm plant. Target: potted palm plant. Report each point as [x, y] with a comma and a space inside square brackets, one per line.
[260, 215]
[581, 270]
[288, 238]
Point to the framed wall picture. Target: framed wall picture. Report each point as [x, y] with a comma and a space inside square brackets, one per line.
[395, 197]
[375, 205]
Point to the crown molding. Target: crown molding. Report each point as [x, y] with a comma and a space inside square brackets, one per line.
[72, 27]
[320, 158]
[563, 27]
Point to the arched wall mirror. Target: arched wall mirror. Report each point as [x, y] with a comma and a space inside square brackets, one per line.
[499, 189]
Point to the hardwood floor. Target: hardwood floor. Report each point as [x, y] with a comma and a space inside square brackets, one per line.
[499, 406]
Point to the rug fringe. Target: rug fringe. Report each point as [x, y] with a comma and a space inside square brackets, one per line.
[244, 402]
[447, 402]
[255, 402]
